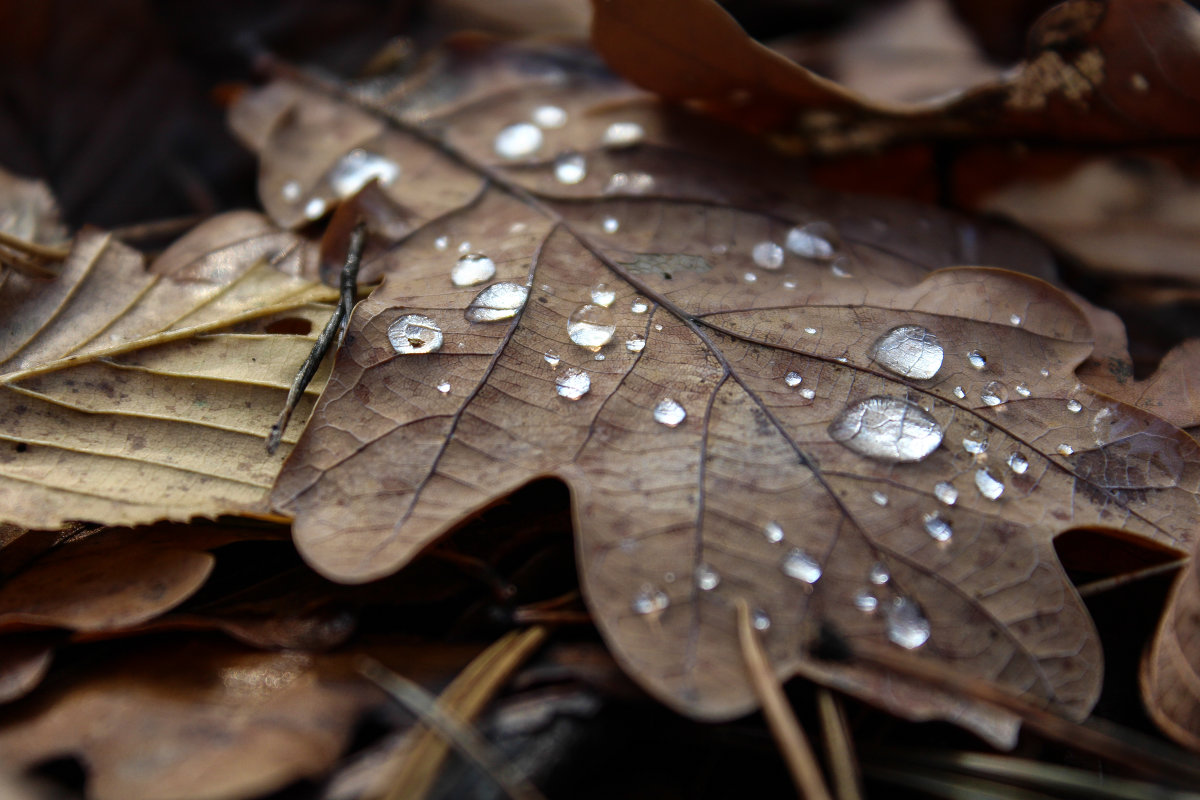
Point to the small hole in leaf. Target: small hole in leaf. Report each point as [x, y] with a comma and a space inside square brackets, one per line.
[297, 326]
[22, 447]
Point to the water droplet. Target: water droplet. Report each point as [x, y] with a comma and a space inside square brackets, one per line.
[838, 267]
[358, 167]
[570, 168]
[768, 255]
[573, 384]
[1044, 372]
[611, 225]
[549, 117]
[906, 625]
[801, 566]
[441, 242]
[816, 240]
[937, 527]
[789, 284]
[464, 247]
[314, 208]
[994, 393]
[413, 333]
[623, 134]
[591, 326]
[669, 413]
[808, 394]
[719, 249]
[1015, 319]
[946, 493]
[879, 574]
[1138, 82]
[975, 442]
[1018, 463]
[707, 578]
[603, 295]
[635, 343]
[750, 277]
[658, 326]
[865, 601]
[879, 498]
[1022, 390]
[811, 331]
[1074, 406]
[629, 183]
[291, 191]
[639, 305]
[1065, 449]
[444, 387]
[599, 357]
[976, 359]
[987, 484]
[472, 269]
[793, 379]
[497, 302]
[773, 531]
[887, 428]
[650, 600]
[518, 141]
[909, 351]
[959, 392]
[552, 358]
[760, 620]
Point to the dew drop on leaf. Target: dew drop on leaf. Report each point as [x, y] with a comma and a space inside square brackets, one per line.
[549, 117]
[635, 343]
[668, 412]
[464, 247]
[887, 428]
[976, 359]
[573, 384]
[975, 442]
[750, 277]
[808, 394]
[816, 240]
[707, 578]
[414, 334]
[639, 305]
[987, 484]
[773, 531]
[838, 267]
[1044, 372]
[603, 295]
[994, 394]
[444, 387]
[623, 134]
[789, 284]
[518, 141]
[650, 600]
[1065, 449]
[760, 620]
[793, 379]
[1074, 406]
[879, 574]
[767, 255]
[1015, 319]
[801, 566]
[909, 351]
[610, 225]
[938, 527]
[314, 208]
[811, 331]
[472, 269]
[1022, 390]
[946, 493]
[591, 326]
[291, 191]
[497, 302]
[629, 183]
[551, 358]
[441, 242]
[906, 625]
[1018, 463]
[879, 498]
[865, 601]
[358, 167]
[959, 392]
[570, 168]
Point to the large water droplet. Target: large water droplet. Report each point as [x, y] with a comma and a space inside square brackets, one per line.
[570, 168]
[603, 295]
[611, 225]
[669, 413]
[355, 169]
[1074, 406]
[987, 484]
[707, 578]
[976, 359]
[879, 574]
[496, 302]
[994, 394]
[906, 625]
[773, 531]
[591, 326]
[573, 384]
[801, 566]
[623, 134]
[549, 117]
[946, 493]
[793, 379]
[909, 351]
[650, 600]
[938, 527]
[816, 240]
[768, 255]
[1018, 463]
[472, 269]
[413, 334]
[975, 442]
[635, 343]
[518, 141]
[639, 305]
[887, 428]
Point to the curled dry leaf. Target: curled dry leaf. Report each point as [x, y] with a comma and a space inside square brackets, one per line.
[753, 392]
[1170, 672]
[132, 395]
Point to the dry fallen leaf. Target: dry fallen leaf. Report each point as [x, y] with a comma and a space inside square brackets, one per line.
[754, 391]
[1170, 671]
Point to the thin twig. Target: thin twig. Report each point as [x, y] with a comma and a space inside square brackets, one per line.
[839, 747]
[1108, 584]
[793, 744]
[43, 251]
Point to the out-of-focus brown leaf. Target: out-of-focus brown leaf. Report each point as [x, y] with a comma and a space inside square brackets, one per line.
[132, 395]
[712, 453]
[1170, 674]
[24, 660]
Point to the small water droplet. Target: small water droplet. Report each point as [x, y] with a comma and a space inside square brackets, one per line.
[760, 620]
[768, 255]
[441, 242]
[707, 578]
[879, 498]
[839, 267]
[570, 168]
[988, 485]
[629, 183]
[994, 394]
[906, 625]
[773, 531]
[413, 334]
[635, 343]
[650, 600]
[464, 247]
[887, 428]
[808, 394]
[1044, 372]
[552, 358]
[573, 384]
[1022, 390]
[444, 387]
[789, 284]
[291, 191]
[497, 302]
[611, 225]
[1018, 463]
[358, 167]
[472, 269]
[719, 249]
[811, 331]
[801, 566]
[639, 305]
[879, 574]
[314, 208]
[946, 493]
[1138, 82]
[1015, 319]
[750, 277]
[1065, 449]
[599, 357]
[549, 117]
[1074, 406]
[657, 326]
[976, 359]
[975, 442]
[518, 141]
[591, 326]
[938, 527]
[623, 134]
[603, 295]
[959, 392]
[865, 601]
[816, 240]
[793, 379]
[669, 413]
[909, 351]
